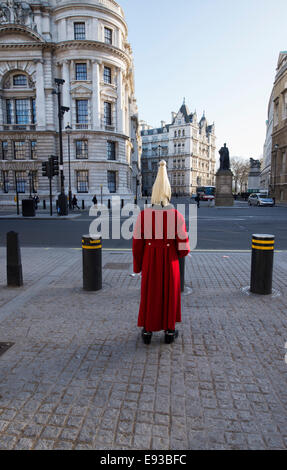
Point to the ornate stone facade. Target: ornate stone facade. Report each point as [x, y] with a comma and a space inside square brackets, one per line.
[278, 184]
[188, 146]
[84, 43]
[265, 176]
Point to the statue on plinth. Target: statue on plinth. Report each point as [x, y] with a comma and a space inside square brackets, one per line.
[224, 176]
[224, 158]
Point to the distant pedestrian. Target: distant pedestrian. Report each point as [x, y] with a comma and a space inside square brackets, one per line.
[75, 203]
[197, 200]
[36, 201]
[95, 201]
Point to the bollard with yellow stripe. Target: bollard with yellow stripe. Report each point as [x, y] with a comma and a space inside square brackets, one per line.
[262, 264]
[92, 263]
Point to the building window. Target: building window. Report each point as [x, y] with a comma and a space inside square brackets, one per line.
[33, 149]
[81, 72]
[107, 113]
[107, 75]
[20, 80]
[20, 150]
[22, 108]
[21, 111]
[20, 180]
[33, 109]
[112, 181]
[82, 149]
[33, 181]
[9, 108]
[111, 150]
[5, 181]
[82, 113]
[4, 148]
[82, 181]
[108, 36]
[276, 112]
[79, 31]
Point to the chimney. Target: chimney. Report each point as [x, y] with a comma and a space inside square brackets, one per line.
[163, 123]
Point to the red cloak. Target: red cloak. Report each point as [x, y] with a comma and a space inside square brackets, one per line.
[160, 239]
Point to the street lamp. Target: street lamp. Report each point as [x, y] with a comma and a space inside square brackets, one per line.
[68, 129]
[62, 199]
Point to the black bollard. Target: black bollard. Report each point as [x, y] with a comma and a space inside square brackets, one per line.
[44, 204]
[123, 202]
[109, 204]
[14, 265]
[182, 273]
[83, 204]
[92, 263]
[262, 264]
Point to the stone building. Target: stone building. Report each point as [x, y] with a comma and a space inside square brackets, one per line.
[265, 176]
[188, 146]
[85, 44]
[278, 184]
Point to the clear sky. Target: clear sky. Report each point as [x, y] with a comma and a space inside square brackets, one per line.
[221, 55]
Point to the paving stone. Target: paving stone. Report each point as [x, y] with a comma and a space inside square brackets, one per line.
[87, 381]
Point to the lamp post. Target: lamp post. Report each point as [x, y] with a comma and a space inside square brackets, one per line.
[68, 131]
[62, 199]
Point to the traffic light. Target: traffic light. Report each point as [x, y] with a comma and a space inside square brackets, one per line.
[46, 169]
[54, 165]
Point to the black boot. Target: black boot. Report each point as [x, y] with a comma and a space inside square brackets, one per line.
[146, 336]
[170, 336]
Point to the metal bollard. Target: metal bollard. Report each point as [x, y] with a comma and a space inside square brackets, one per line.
[123, 202]
[262, 264]
[92, 263]
[14, 265]
[44, 204]
[83, 204]
[182, 273]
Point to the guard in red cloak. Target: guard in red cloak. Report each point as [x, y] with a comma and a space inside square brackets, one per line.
[159, 240]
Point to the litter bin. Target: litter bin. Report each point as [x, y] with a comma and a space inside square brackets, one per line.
[28, 208]
[92, 263]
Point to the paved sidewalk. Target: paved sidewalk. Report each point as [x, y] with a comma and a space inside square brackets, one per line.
[79, 377]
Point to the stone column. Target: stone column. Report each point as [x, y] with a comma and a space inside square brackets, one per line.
[40, 96]
[66, 101]
[96, 103]
[120, 110]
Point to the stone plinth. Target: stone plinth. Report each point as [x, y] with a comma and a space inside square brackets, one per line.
[223, 194]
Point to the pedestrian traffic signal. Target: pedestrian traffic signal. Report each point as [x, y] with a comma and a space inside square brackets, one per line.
[55, 165]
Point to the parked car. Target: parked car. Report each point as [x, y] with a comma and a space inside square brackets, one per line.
[257, 199]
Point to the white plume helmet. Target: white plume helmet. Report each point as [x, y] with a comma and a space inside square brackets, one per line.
[161, 191]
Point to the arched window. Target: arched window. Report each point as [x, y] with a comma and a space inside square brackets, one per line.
[18, 110]
[179, 133]
[20, 80]
[183, 133]
[175, 134]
